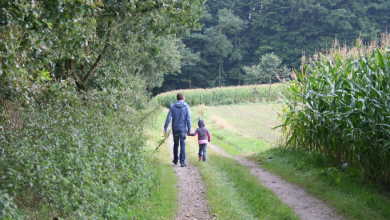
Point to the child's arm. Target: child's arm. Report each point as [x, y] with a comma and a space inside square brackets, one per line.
[208, 135]
[193, 134]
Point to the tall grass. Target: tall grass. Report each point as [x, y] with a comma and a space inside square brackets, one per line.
[340, 106]
[223, 96]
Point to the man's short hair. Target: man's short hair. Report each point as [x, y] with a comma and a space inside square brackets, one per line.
[180, 96]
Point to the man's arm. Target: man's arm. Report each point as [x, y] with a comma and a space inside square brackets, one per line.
[193, 134]
[168, 120]
[188, 119]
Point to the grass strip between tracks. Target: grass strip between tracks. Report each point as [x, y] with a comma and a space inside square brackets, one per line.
[233, 193]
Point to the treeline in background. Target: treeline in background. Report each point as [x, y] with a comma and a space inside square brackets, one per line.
[236, 35]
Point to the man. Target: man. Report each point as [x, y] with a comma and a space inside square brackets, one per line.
[181, 124]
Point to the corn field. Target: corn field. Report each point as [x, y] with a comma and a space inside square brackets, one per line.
[340, 106]
[224, 95]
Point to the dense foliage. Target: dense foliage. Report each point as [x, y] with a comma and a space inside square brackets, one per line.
[77, 156]
[340, 107]
[236, 34]
[73, 84]
[107, 39]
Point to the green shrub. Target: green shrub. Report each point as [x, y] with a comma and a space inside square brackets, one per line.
[78, 156]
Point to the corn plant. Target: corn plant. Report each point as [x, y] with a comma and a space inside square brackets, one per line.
[341, 107]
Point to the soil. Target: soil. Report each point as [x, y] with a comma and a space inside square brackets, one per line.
[192, 201]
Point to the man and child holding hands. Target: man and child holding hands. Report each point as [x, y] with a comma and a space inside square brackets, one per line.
[180, 114]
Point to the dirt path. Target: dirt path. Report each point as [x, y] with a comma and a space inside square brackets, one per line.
[192, 202]
[304, 205]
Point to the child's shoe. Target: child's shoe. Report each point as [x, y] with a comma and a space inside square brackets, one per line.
[200, 158]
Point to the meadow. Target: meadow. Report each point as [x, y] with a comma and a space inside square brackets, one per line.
[342, 188]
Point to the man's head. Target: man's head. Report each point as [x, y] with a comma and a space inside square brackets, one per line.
[180, 96]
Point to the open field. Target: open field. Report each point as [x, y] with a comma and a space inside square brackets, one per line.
[352, 196]
[255, 120]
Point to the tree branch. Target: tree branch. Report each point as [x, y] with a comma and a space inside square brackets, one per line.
[95, 65]
[79, 84]
[100, 57]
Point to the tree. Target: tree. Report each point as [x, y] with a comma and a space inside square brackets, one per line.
[265, 70]
[188, 62]
[162, 58]
[73, 38]
[233, 27]
[218, 45]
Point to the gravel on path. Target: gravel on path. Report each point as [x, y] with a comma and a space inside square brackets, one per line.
[304, 205]
[192, 202]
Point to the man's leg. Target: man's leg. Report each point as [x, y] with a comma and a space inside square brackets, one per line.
[175, 148]
[183, 137]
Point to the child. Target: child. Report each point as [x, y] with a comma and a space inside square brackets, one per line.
[203, 138]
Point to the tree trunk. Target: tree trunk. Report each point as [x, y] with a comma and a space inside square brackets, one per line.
[11, 116]
[150, 91]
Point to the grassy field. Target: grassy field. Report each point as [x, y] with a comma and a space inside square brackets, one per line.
[341, 188]
[253, 120]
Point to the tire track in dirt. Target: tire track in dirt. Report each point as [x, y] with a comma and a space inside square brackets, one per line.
[191, 197]
[304, 205]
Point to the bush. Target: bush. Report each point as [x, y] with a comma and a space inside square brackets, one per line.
[78, 155]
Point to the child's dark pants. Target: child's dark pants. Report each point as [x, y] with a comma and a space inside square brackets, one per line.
[202, 151]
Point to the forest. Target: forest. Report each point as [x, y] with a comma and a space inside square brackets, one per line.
[237, 33]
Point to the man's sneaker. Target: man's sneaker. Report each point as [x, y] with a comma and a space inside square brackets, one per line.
[173, 161]
[183, 165]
